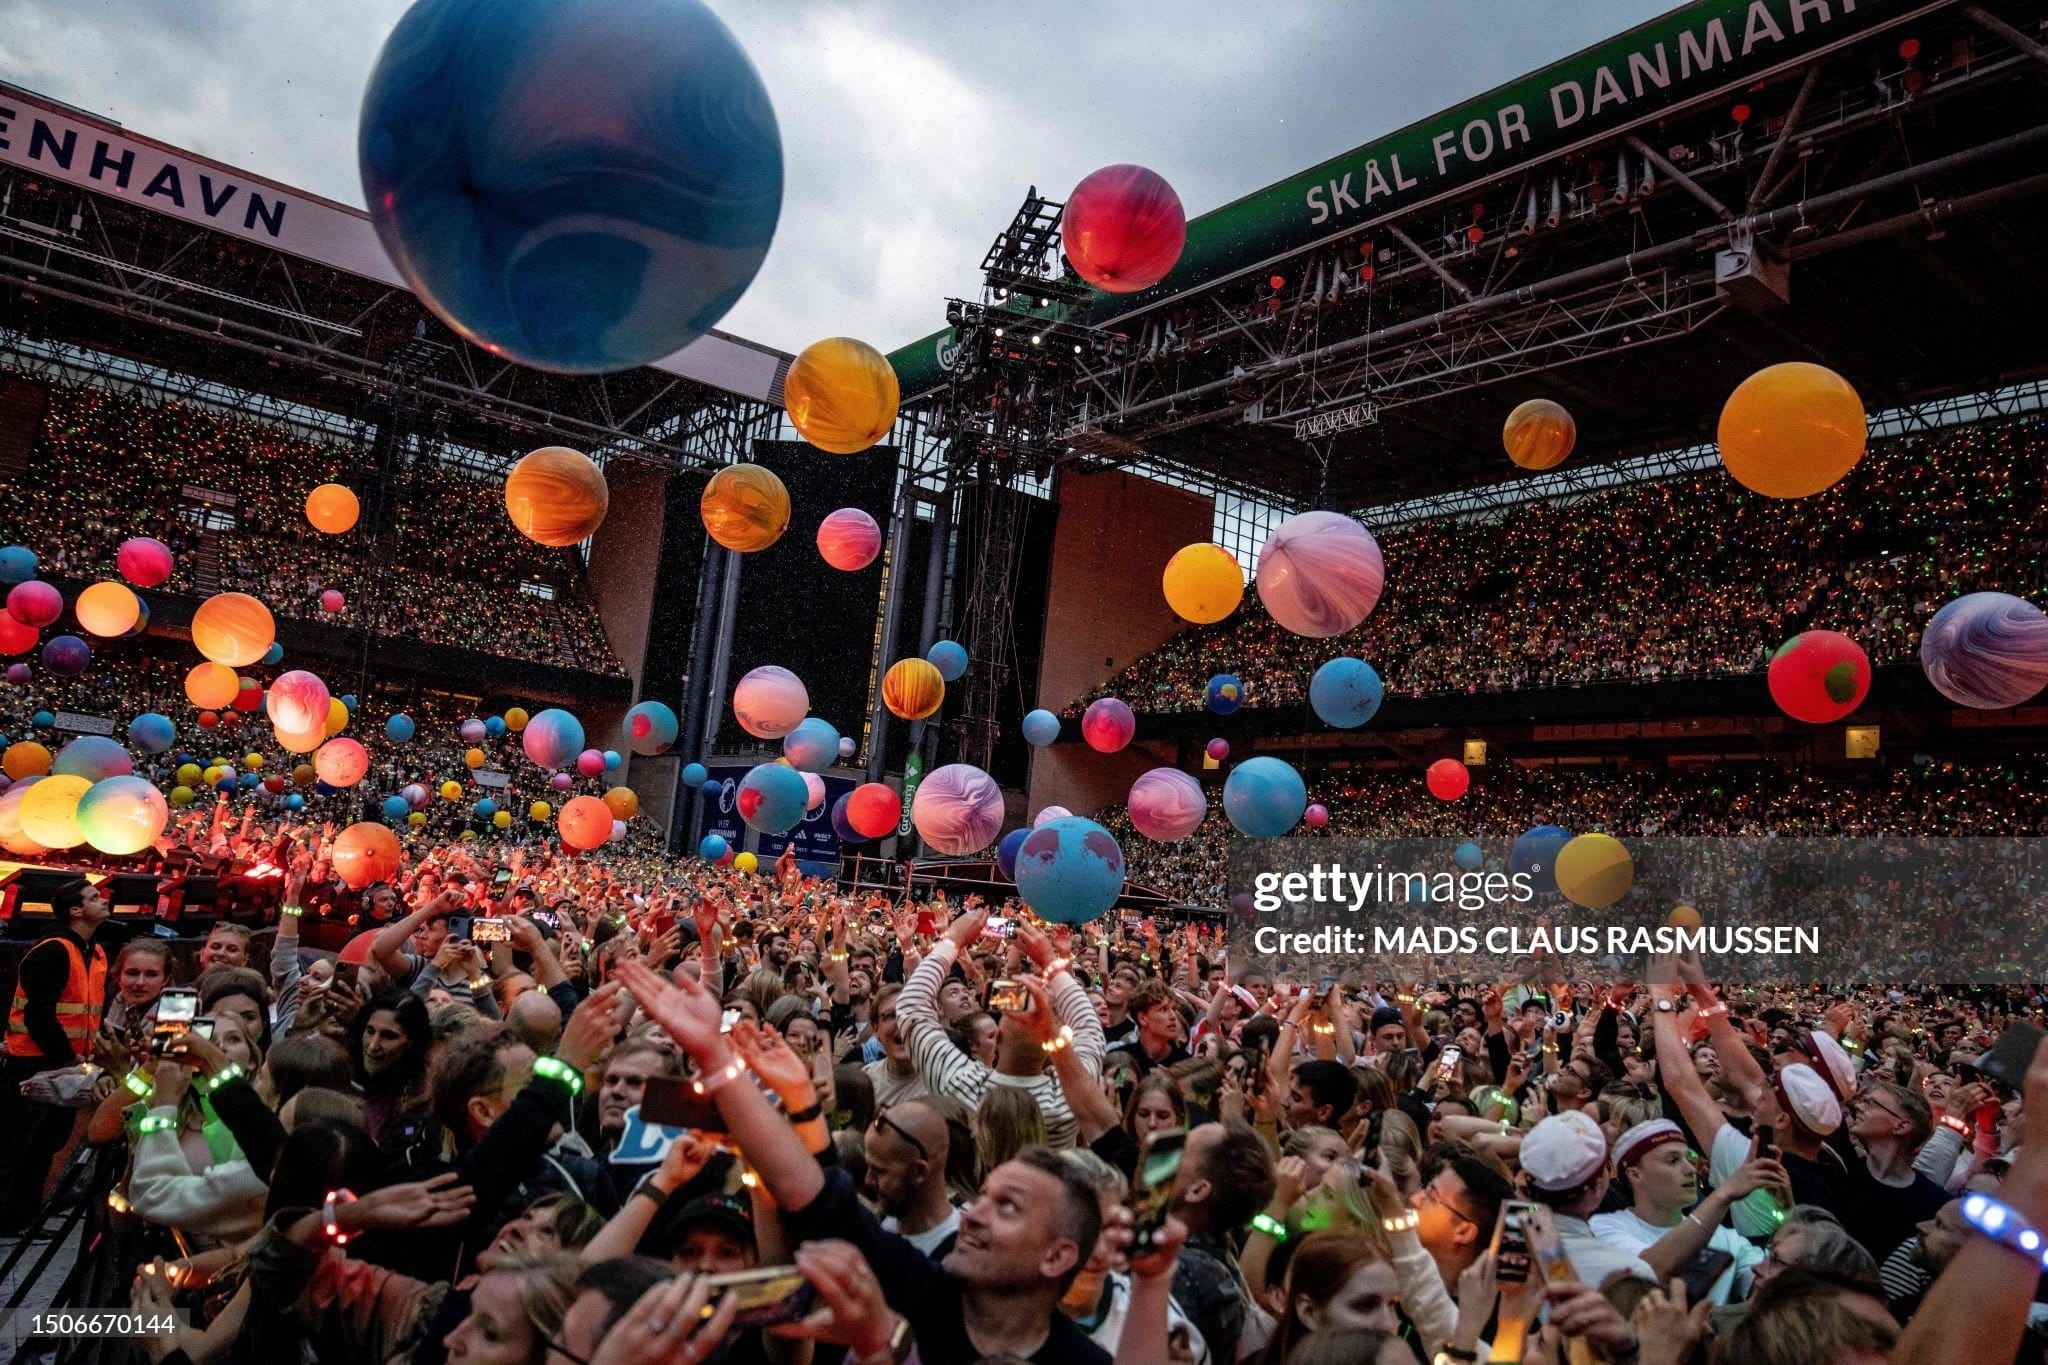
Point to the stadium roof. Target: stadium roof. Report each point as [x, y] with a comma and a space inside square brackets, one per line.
[126, 246]
[1630, 232]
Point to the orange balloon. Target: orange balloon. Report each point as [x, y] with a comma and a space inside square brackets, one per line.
[556, 496]
[745, 507]
[623, 802]
[212, 685]
[107, 610]
[1539, 434]
[332, 508]
[299, 741]
[365, 853]
[585, 822]
[24, 758]
[912, 689]
[233, 628]
[841, 395]
[1792, 430]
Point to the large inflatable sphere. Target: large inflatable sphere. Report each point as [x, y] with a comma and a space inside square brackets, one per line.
[1819, 676]
[1108, 725]
[745, 507]
[557, 496]
[772, 798]
[1264, 797]
[1539, 434]
[849, 539]
[1321, 573]
[552, 738]
[1987, 650]
[233, 628]
[1225, 693]
[913, 689]
[650, 728]
[950, 658]
[841, 395]
[1070, 871]
[94, 758]
[1203, 583]
[1792, 430]
[1534, 855]
[1167, 804]
[958, 809]
[769, 701]
[1346, 693]
[365, 853]
[122, 815]
[1040, 728]
[813, 746]
[582, 187]
[1123, 229]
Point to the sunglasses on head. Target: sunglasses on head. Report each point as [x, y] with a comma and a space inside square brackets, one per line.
[882, 1120]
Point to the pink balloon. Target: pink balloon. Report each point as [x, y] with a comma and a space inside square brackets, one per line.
[1219, 749]
[34, 603]
[1316, 816]
[849, 539]
[590, 762]
[297, 703]
[145, 562]
[331, 601]
[1108, 724]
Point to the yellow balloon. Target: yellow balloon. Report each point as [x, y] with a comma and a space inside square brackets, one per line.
[622, 802]
[912, 689]
[188, 773]
[1539, 434]
[107, 610]
[1594, 870]
[515, 719]
[49, 812]
[539, 810]
[181, 796]
[1683, 917]
[473, 758]
[841, 395]
[746, 862]
[416, 819]
[1203, 583]
[451, 791]
[253, 762]
[745, 507]
[557, 496]
[467, 835]
[503, 819]
[1792, 430]
[337, 716]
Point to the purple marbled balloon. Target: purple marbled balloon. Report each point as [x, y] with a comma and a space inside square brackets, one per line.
[958, 809]
[1987, 650]
[1050, 814]
[1167, 804]
[1320, 574]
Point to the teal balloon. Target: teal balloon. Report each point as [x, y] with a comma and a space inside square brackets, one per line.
[1469, 856]
[94, 758]
[1264, 797]
[713, 847]
[613, 760]
[582, 187]
[43, 719]
[273, 656]
[1040, 728]
[772, 798]
[950, 658]
[17, 564]
[1070, 870]
[695, 775]
[396, 808]
[399, 728]
[650, 728]
[1346, 693]
[486, 808]
[494, 726]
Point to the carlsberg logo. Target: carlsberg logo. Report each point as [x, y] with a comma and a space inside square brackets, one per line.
[948, 348]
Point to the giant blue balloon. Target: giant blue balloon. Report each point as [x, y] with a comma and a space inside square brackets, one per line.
[583, 187]
[396, 808]
[650, 728]
[813, 746]
[772, 798]
[67, 656]
[1535, 855]
[1040, 728]
[1469, 856]
[1346, 693]
[494, 726]
[399, 728]
[152, 733]
[1070, 870]
[17, 564]
[950, 658]
[94, 758]
[846, 832]
[486, 808]
[695, 775]
[1006, 852]
[713, 847]
[1264, 797]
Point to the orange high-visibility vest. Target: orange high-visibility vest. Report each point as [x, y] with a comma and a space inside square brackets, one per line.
[79, 1006]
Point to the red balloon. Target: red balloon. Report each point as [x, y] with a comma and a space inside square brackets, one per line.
[207, 720]
[1123, 229]
[144, 561]
[15, 636]
[585, 822]
[1819, 676]
[873, 810]
[365, 853]
[341, 762]
[35, 603]
[1448, 779]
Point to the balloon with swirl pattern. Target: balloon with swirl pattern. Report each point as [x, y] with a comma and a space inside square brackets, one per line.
[1320, 574]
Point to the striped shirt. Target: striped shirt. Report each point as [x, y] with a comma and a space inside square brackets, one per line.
[949, 1071]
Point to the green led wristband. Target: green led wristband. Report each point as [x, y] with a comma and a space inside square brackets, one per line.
[155, 1123]
[1271, 1226]
[138, 1085]
[555, 1069]
[293, 911]
[228, 1075]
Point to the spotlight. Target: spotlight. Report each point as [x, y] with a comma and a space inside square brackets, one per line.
[1045, 303]
[1077, 348]
[1036, 338]
[1002, 294]
[999, 331]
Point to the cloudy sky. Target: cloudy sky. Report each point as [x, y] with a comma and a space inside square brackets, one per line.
[911, 128]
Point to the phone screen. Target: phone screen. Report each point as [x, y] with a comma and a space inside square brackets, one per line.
[766, 1297]
[1008, 997]
[1000, 928]
[504, 875]
[177, 1005]
[1152, 1187]
[1510, 1246]
[672, 1102]
[490, 931]
[1447, 1062]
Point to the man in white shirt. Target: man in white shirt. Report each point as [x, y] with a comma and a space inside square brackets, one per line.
[894, 1076]
[1662, 1223]
[906, 1150]
[1565, 1161]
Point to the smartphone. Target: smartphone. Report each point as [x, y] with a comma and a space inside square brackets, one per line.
[504, 876]
[662, 921]
[2010, 1056]
[176, 1008]
[768, 1296]
[999, 927]
[1539, 1232]
[203, 1026]
[727, 1020]
[459, 926]
[490, 931]
[1008, 997]
[674, 1102]
[1447, 1062]
[1323, 987]
[1704, 1272]
[1766, 1139]
[1510, 1247]
[1152, 1187]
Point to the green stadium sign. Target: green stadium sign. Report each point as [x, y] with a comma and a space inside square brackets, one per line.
[1687, 55]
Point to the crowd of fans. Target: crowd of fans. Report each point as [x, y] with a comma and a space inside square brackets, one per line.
[448, 570]
[930, 1136]
[1685, 578]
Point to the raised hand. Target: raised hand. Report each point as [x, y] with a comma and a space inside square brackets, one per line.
[771, 1057]
[593, 1025]
[686, 1011]
[668, 1327]
[853, 1314]
[436, 1203]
